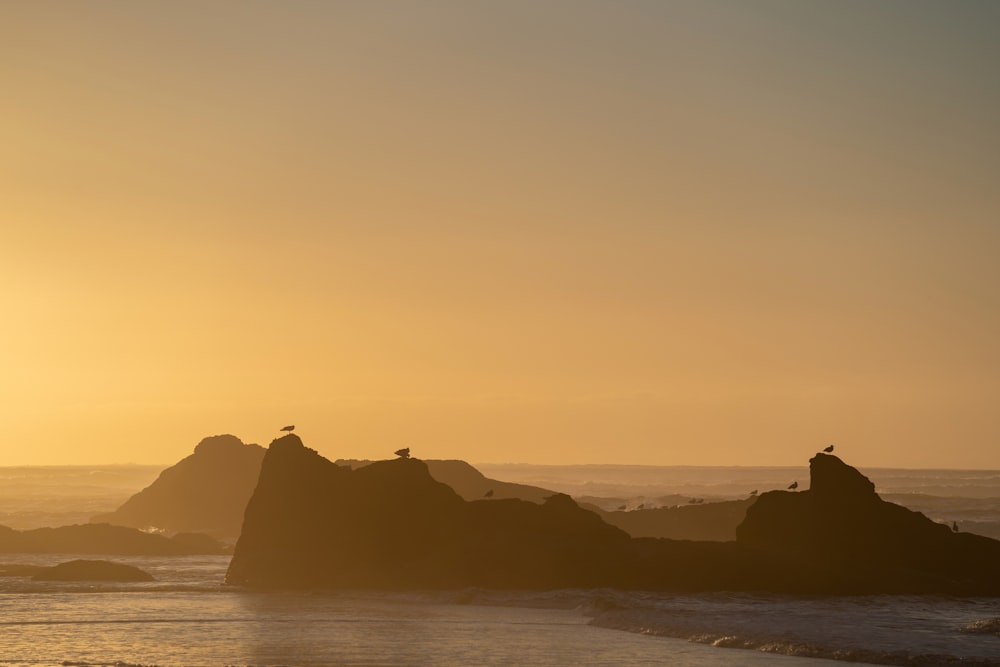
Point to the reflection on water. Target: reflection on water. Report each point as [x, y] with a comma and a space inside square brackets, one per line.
[227, 628]
[190, 620]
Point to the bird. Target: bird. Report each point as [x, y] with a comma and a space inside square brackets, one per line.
[288, 428]
[954, 526]
[828, 449]
[754, 492]
[622, 508]
[488, 494]
[793, 485]
[403, 453]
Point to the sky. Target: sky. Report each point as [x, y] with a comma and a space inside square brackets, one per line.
[668, 233]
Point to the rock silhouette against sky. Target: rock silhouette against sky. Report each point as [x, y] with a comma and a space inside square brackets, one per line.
[390, 524]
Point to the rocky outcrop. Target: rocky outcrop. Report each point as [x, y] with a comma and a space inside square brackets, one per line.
[391, 525]
[858, 542]
[103, 538]
[205, 492]
[92, 570]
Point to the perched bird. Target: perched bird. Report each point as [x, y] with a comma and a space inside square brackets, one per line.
[622, 508]
[954, 526]
[488, 494]
[288, 428]
[754, 492]
[403, 453]
[828, 449]
[793, 485]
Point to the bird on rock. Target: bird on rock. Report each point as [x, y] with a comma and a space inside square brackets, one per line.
[403, 453]
[288, 428]
[793, 486]
[828, 449]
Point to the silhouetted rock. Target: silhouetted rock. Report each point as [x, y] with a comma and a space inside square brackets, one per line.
[710, 521]
[861, 543]
[102, 538]
[391, 525]
[469, 482]
[92, 570]
[314, 524]
[205, 492]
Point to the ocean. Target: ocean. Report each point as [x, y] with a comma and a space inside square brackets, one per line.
[188, 617]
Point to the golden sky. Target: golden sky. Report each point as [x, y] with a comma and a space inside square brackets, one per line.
[710, 233]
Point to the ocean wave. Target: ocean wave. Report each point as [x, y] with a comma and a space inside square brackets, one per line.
[800, 649]
[742, 623]
[986, 626]
[33, 587]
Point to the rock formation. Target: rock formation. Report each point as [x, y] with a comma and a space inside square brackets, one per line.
[205, 492]
[859, 542]
[312, 523]
[391, 525]
[92, 570]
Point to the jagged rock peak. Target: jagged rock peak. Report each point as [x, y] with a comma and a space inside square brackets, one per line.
[831, 477]
[218, 443]
[290, 440]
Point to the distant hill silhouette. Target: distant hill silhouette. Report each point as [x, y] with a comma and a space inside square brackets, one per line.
[102, 538]
[391, 525]
[861, 542]
[205, 492]
[709, 521]
[469, 482]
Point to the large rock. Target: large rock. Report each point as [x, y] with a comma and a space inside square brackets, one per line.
[390, 524]
[205, 492]
[92, 570]
[860, 543]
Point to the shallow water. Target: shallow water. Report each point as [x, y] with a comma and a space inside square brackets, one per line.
[187, 617]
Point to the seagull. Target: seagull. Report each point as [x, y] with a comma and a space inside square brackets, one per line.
[954, 526]
[288, 428]
[403, 453]
[488, 494]
[828, 449]
[754, 492]
[793, 485]
[622, 508]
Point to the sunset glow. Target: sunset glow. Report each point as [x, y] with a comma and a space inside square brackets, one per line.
[707, 233]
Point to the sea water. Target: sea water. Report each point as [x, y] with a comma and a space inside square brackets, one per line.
[187, 616]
